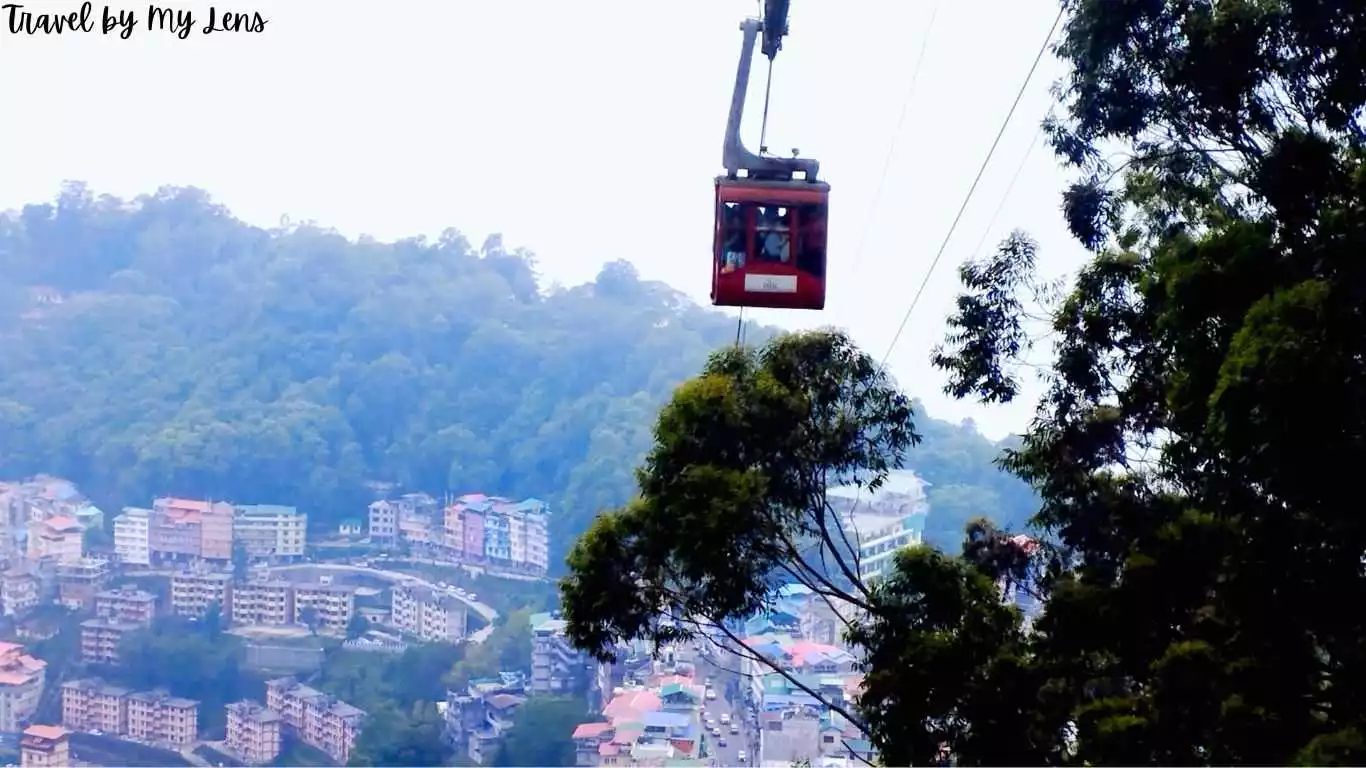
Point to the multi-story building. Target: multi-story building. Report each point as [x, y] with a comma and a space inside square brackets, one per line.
[880, 538]
[319, 720]
[18, 591]
[131, 536]
[58, 538]
[497, 535]
[216, 531]
[472, 529]
[332, 605]
[453, 529]
[175, 530]
[477, 718]
[94, 705]
[157, 717]
[192, 591]
[22, 678]
[434, 618]
[79, 582]
[253, 732]
[556, 666]
[45, 746]
[127, 604]
[264, 602]
[384, 523]
[100, 639]
[499, 531]
[270, 531]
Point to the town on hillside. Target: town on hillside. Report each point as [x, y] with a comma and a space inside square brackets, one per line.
[773, 689]
[249, 569]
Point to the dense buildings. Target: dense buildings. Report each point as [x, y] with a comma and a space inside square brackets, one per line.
[474, 528]
[27, 506]
[22, 678]
[319, 720]
[154, 717]
[253, 732]
[188, 531]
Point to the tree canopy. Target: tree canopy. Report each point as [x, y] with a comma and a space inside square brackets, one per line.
[161, 346]
[1197, 555]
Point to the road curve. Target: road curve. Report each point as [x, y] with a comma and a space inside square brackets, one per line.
[485, 612]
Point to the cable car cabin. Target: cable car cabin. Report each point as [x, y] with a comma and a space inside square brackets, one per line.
[769, 247]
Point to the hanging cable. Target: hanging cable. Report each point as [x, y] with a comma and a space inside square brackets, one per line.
[986, 231]
[740, 328]
[896, 135]
[858, 493]
[968, 198]
[763, 126]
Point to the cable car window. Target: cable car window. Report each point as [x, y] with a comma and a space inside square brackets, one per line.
[733, 237]
[811, 240]
[774, 231]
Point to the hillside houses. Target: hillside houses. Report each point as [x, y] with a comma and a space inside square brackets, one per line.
[474, 528]
[186, 531]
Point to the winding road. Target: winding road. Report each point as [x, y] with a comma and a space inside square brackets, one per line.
[485, 612]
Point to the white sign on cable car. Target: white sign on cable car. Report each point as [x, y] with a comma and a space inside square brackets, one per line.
[770, 283]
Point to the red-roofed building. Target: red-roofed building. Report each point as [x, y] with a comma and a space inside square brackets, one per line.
[60, 539]
[590, 739]
[22, 678]
[44, 746]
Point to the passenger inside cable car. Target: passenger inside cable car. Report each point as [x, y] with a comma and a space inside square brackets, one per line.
[778, 232]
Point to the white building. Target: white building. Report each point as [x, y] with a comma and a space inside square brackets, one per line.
[383, 522]
[432, 617]
[879, 539]
[131, 532]
[271, 530]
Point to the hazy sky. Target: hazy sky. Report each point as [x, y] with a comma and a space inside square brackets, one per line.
[585, 131]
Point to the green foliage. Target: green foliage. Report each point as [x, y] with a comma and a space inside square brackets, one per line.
[395, 737]
[508, 648]
[1205, 399]
[543, 732]
[200, 356]
[184, 658]
[373, 681]
[735, 491]
[356, 627]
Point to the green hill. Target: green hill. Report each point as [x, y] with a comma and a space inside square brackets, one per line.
[162, 346]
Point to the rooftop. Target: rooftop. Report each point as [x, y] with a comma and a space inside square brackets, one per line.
[49, 732]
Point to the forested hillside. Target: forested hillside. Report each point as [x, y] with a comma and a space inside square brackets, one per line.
[163, 346]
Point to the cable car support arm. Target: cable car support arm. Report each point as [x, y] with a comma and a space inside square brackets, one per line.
[735, 157]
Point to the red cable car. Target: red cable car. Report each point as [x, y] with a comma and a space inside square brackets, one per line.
[769, 244]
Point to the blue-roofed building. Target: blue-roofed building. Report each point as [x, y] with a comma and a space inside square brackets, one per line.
[669, 725]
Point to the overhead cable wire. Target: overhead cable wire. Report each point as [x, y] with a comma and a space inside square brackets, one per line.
[967, 199]
[896, 135]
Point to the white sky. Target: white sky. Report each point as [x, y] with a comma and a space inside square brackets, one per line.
[585, 131]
